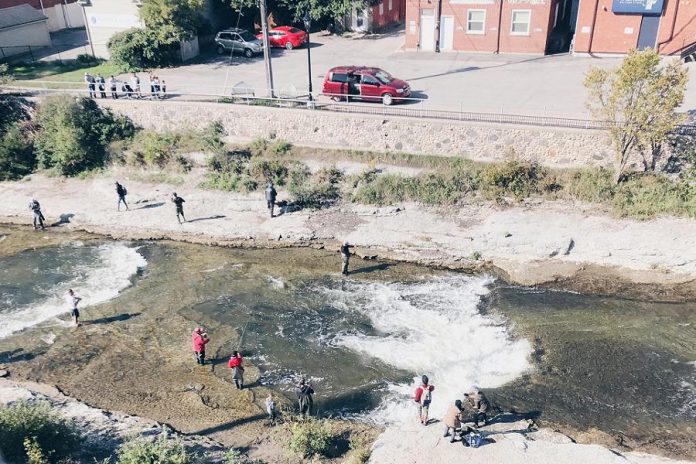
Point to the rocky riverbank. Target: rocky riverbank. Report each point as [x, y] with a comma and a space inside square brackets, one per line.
[572, 245]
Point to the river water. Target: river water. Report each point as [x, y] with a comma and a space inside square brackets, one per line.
[624, 367]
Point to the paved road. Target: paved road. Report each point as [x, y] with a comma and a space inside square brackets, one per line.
[538, 85]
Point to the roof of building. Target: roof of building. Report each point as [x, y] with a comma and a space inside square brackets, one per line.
[18, 15]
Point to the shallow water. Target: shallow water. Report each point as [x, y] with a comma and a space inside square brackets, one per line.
[623, 366]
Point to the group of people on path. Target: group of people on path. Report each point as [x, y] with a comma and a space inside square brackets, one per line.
[455, 417]
[304, 390]
[132, 89]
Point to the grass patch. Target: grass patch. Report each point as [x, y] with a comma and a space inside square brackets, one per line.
[69, 74]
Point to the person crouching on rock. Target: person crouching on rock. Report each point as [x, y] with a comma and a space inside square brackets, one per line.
[235, 363]
[424, 396]
[480, 404]
[199, 339]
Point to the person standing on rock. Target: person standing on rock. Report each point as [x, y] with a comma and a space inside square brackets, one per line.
[452, 419]
[179, 203]
[271, 195]
[235, 364]
[199, 339]
[480, 404]
[73, 299]
[304, 398]
[345, 257]
[121, 192]
[271, 408]
[424, 396]
[38, 215]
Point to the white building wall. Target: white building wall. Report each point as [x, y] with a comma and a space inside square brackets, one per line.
[16, 40]
[107, 17]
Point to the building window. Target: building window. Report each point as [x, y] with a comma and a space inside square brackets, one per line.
[381, 8]
[476, 22]
[520, 22]
[391, 5]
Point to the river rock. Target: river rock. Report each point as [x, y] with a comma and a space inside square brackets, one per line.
[4, 373]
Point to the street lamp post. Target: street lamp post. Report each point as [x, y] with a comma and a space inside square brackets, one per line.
[308, 22]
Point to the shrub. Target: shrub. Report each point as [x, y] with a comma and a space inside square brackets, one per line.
[85, 59]
[34, 453]
[644, 196]
[310, 438]
[211, 137]
[360, 449]
[521, 179]
[315, 191]
[281, 147]
[265, 170]
[162, 450]
[52, 436]
[17, 157]
[141, 48]
[74, 133]
[258, 146]
[152, 149]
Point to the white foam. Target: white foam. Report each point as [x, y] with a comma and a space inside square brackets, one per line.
[98, 282]
[432, 327]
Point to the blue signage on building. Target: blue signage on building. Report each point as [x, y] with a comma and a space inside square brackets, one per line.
[646, 7]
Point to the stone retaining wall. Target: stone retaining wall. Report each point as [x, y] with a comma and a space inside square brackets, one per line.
[475, 141]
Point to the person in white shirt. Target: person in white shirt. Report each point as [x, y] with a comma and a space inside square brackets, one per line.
[73, 299]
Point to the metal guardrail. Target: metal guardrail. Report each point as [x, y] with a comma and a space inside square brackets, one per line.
[244, 96]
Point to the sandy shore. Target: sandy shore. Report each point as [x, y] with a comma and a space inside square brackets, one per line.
[528, 244]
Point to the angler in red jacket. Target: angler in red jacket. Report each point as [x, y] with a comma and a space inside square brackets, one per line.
[423, 397]
[235, 363]
[199, 339]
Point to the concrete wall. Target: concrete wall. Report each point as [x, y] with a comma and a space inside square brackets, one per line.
[481, 142]
[107, 17]
[16, 40]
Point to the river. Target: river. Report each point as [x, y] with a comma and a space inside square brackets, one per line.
[627, 368]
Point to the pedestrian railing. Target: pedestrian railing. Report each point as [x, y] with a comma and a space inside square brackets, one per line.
[407, 107]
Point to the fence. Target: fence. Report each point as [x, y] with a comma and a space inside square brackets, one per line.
[32, 54]
[245, 95]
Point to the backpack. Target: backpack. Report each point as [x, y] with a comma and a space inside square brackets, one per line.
[474, 439]
[426, 396]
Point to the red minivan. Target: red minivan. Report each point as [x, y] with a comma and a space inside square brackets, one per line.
[364, 83]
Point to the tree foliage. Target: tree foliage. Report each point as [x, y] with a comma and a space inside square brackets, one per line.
[172, 20]
[639, 100]
[140, 49]
[74, 132]
[333, 10]
[17, 157]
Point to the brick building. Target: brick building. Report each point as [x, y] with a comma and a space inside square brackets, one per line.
[61, 14]
[550, 26]
[379, 16]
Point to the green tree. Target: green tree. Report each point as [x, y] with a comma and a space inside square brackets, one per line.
[17, 157]
[139, 49]
[5, 76]
[74, 132]
[334, 10]
[172, 20]
[639, 100]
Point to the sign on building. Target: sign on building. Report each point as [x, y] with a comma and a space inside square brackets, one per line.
[638, 6]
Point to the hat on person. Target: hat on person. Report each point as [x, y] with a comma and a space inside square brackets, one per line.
[458, 403]
[424, 379]
[198, 330]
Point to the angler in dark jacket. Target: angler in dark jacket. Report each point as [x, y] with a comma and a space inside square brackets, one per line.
[304, 398]
[271, 195]
[38, 215]
[179, 203]
[345, 257]
[480, 404]
[121, 192]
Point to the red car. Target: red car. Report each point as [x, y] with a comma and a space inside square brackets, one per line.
[285, 37]
[365, 83]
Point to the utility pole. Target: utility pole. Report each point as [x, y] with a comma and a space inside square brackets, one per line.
[438, 26]
[266, 48]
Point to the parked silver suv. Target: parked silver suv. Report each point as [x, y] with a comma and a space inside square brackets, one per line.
[238, 40]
